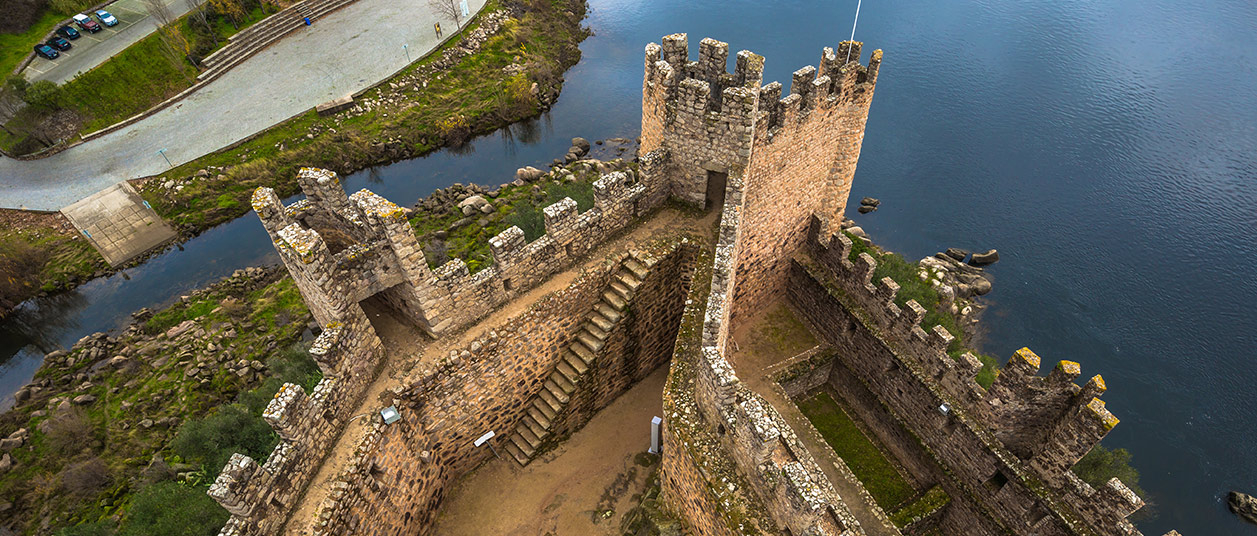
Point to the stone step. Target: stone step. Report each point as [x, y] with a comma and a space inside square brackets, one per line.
[569, 372]
[544, 408]
[533, 439]
[561, 380]
[522, 445]
[608, 312]
[591, 342]
[539, 417]
[585, 354]
[517, 454]
[596, 331]
[622, 290]
[637, 268]
[576, 362]
[601, 322]
[556, 392]
[532, 426]
[614, 300]
[627, 279]
[548, 399]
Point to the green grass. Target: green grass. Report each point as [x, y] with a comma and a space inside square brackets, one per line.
[868, 462]
[929, 502]
[911, 287]
[133, 81]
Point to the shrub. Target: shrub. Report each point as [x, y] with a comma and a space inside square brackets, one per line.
[211, 441]
[99, 528]
[85, 478]
[529, 220]
[43, 94]
[69, 431]
[1101, 464]
[172, 509]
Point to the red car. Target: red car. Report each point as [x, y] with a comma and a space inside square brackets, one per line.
[85, 22]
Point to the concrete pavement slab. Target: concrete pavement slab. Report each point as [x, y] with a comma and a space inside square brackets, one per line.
[118, 223]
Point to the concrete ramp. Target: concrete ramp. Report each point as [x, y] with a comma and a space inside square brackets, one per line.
[119, 223]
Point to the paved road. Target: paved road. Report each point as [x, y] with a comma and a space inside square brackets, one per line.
[347, 51]
[92, 49]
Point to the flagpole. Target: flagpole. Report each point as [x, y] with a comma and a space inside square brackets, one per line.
[857, 21]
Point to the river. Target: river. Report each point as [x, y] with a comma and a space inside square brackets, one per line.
[1108, 150]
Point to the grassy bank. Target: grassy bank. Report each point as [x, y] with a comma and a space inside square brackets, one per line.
[861, 454]
[17, 43]
[116, 427]
[465, 95]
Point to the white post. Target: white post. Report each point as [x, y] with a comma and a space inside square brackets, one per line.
[655, 425]
[853, 23]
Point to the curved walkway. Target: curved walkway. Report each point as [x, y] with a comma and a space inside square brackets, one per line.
[347, 51]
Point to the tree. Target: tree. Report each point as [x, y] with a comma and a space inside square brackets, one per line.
[231, 8]
[43, 94]
[178, 47]
[173, 509]
[211, 441]
[450, 9]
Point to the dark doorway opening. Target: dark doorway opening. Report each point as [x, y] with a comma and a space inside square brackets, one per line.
[715, 189]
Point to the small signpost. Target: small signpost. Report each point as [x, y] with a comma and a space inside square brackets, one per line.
[162, 152]
[655, 425]
[484, 439]
[406, 48]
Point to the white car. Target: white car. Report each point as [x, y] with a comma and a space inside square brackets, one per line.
[106, 18]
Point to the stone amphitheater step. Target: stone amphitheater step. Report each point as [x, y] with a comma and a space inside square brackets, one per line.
[538, 417]
[561, 380]
[608, 311]
[544, 408]
[514, 451]
[636, 267]
[556, 391]
[570, 374]
[522, 445]
[596, 331]
[590, 341]
[628, 280]
[534, 426]
[576, 362]
[602, 323]
[533, 440]
[614, 300]
[554, 401]
[586, 355]
[622, 290]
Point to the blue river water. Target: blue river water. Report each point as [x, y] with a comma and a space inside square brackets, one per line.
[1108, 150]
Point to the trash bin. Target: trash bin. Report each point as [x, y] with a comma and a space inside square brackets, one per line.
[307, 19]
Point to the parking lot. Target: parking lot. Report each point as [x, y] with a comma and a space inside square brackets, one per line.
[91, 49]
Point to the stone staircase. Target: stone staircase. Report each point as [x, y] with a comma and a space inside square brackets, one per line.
[253, 39]
[534, 429]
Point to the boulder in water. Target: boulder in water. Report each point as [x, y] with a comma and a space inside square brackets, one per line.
[983, 259]
[1243, 505]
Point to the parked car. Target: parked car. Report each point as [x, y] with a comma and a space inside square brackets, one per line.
[106, 18]
[85, 22]
[46, 51]
[68, 32]
[59, 43]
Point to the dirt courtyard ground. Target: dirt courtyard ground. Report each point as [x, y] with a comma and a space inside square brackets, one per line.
[584, 487]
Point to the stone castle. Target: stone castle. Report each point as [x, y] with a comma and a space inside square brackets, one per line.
[778, 170]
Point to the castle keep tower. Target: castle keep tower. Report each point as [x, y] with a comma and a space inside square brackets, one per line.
[792, 157]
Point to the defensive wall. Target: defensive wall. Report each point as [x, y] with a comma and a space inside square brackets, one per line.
[779, 171]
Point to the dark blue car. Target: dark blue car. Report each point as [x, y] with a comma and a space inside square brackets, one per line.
[59, 43]
[46, 51]
[68, 32]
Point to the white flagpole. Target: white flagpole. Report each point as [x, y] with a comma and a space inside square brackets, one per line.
[857, 21]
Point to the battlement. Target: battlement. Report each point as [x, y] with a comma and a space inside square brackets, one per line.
[1033, 425]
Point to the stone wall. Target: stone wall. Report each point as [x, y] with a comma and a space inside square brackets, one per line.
[486, 385]
[958, 423]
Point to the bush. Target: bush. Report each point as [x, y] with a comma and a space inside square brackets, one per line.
[293, 366]
[86, 478]
[43, 94]
[172, 509]
[1101, 464]
[211, 441]
[69, 431]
